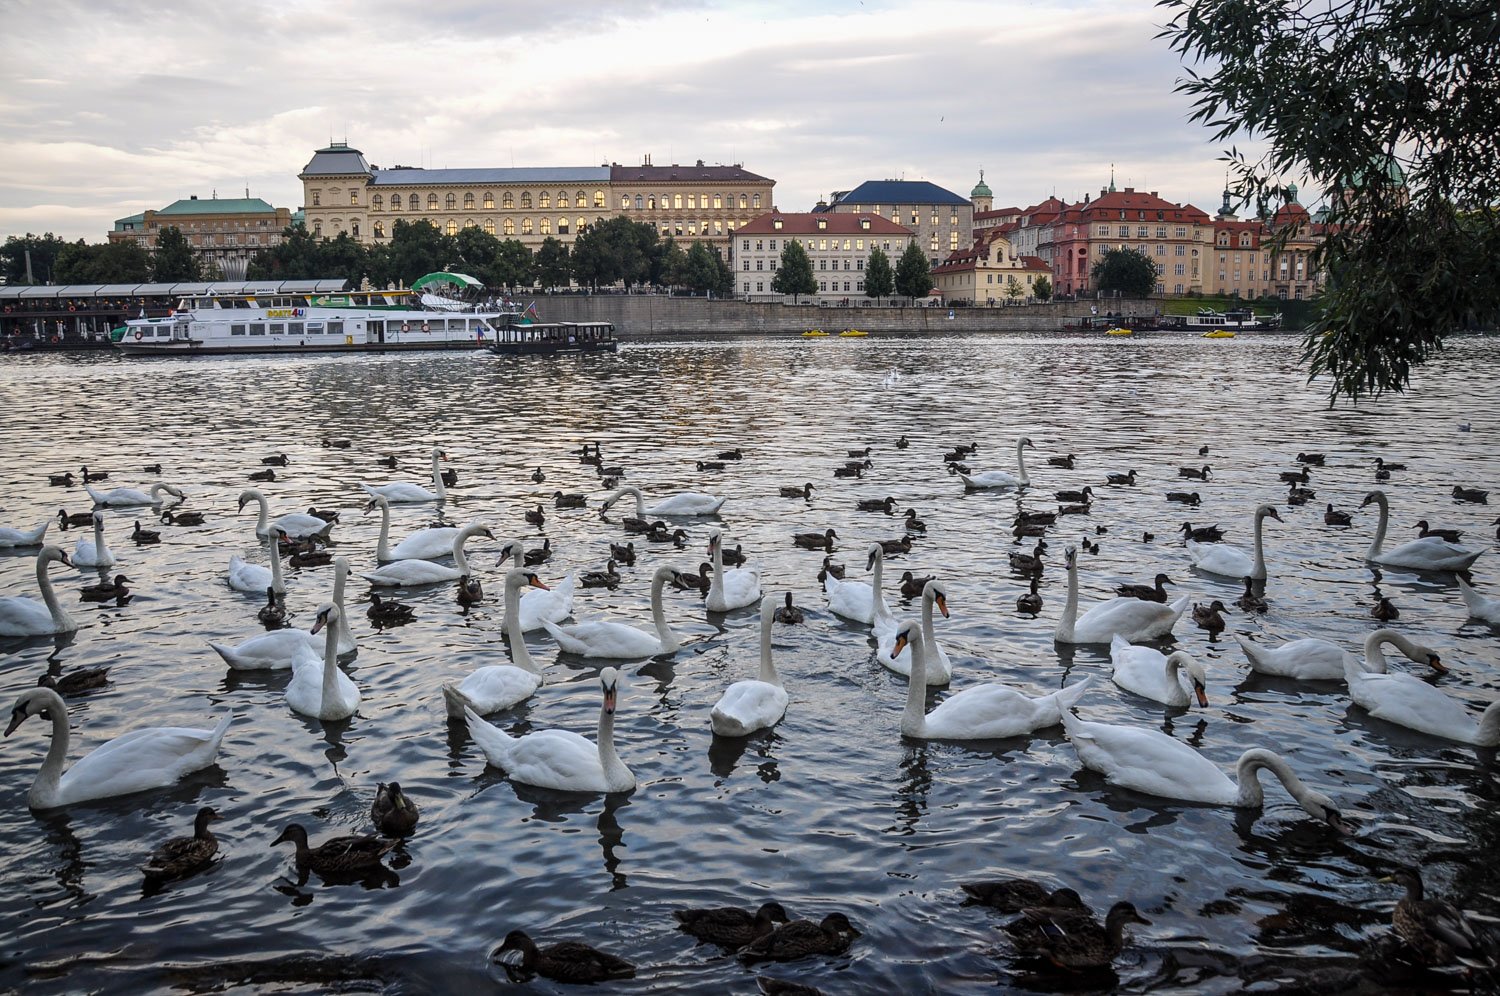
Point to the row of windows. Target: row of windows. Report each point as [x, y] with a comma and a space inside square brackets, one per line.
[509, 201]
[676, 202]
[815, 245]
[1144, 232]
[286, 328]
[823, 286]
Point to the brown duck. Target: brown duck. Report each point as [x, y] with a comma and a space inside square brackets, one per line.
[183, 856]
[566, 961]
[730, 926]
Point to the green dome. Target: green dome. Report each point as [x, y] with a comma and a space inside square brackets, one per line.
[980, 189]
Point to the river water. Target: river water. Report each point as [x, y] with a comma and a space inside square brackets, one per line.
[833, 810]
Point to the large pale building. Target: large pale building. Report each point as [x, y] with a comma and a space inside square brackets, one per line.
[224, 232]
[342, 192]
[1174, 236]
[838, 245]
[990, 272]
[940, 220]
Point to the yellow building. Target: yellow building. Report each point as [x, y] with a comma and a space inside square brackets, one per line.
[988, 273]
[224, 233]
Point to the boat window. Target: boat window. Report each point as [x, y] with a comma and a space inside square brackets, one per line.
[335, 328]
[455, 324]
[257, 328]
[278, 328]
[236, 330]
[295, 328]
[164, 333]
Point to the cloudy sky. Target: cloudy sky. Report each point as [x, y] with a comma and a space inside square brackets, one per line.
[109, 107]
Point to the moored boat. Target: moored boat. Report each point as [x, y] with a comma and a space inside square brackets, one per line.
[1234, 320]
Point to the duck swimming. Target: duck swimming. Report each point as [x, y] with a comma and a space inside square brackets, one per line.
[183, 856]
[566, 961]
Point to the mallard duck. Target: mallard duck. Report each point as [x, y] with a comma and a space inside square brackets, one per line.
[789, 613]
[734, 454]
[911, 585]
[566, 961]
[89, 478]
[470, 591]
[1122, 479]
[542, 554]
[1034, 518]
[1086, 495]
[60, 480]
[886, 505]
[106, 590]
[610, 471]
[1202, 534]
[310, 558]
[1209, 616]
[800, 938]
[1334, 517]
[1382, 475]
[730, 926]
[389, 460]
[75, 682]
[560, 500]
[182, 856]
[1075, 942]
[1089, 546]
[1451, 535]
[388, 611]
[816, 541]
[337, 855]
[1250, 601]
[733, 558]
[172, 518]
[337, 442]
[1438, 932]
[1184, 497]
[1065, 462]
[1008, 895]
[1195, 473]
[537, 476]
[859, 464]
[1028, 563]
[1147, 537]
[324, 514]
[955, 456]
[710, 465]
[829, 569]
[859, 453]
[144, 537]
[1294, 476]
[1031, 602]
[1203, 450]
[902, 443]
[449, 477]
[272, 615]
[65, 519]
[393, 813]
[660, 534]
[1316, 459]
[263, 475]
[902, 545]
[1384, 609]
[1383, 464]
[700, 582]
[804, 492]
[278, 460]
[623, 553]
[1077, 509]
[536, 517]
[1147, 592]
[607, 578]
[1473, 495]
[848, 472]
[1296, 496]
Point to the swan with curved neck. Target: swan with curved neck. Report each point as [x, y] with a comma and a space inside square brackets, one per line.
[120, 497]
[25, 537]
[1228, 561]
[499, 686]
[731, 589]
[136, 761]
[297, 525]
[1408, 701]
[1309, 659]
[1151, 674]
[94, 552]
[22, 616]
[405, 492]
[612, 640]
[758, 703]
[1135, 620]
[412, 572]
[318, 688]
[540, 603]
[939, 669]
[255, 579]
[1151, 762]
[684, 503]
[860, 601]
[425, 544]
[1429, 553]
[560, 759]
[999, 478]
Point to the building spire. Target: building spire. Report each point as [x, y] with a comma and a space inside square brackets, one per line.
[1111, 177]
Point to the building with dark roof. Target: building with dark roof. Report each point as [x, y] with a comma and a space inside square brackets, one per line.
[940, 220]
[224, 232]
[837, 244]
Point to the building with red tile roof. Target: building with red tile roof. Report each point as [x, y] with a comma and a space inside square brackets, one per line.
[988, 273]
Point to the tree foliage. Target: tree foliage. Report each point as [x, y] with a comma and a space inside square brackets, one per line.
[553, 263]
[108, 263]
[913, 277]
[794, 273]
[615, 250]
[1042, 289]
[44, 250]
[1393, 113]
[1125, 271]
[880, 279]
[174, 259]
[512, 266]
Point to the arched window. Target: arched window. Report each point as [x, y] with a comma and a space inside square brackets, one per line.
[651, 202]
[525, 226]
[677, 201]
[489, 226]
[743, 205]
[510, 226]
[579, 229]
[432, 202]
[598, 198]
[354, 229]
[508, 202]
[470, 223]
[546, 226]
[718, 202]
[452, 227]
[450, 201]
[580, 200]
[415, 202]
[562, 226]
[562, 199]
[638, 202]
[544, 200]
[489, 201]
[376, 203]
[395, 202]
[469, 201]
[624, 202]
[317, 231]
[380, 229]
[526, 200]
[755, 202]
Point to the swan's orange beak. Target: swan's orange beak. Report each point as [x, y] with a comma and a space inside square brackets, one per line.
[536, 582]
[1202, 694]
[899, 646]
[1436, 663]
[942, 603]
[609, 700]
[318, 626]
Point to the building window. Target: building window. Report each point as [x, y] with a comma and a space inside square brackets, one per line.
[760, 285]
[639, 200]
[718, 202]
[353, 231]
[525, 226]
[579, 201]
[415, 202]
[450, 201]
[677, 202]
[743, 205]
[598, 198]
[544, 200]
[489, 226]
[546, 226]
[932, 243]
[315, 198]
[452, 227]
[432, 202]
[624, 202]
[562, 226]
[1142, 232]
[579, 228]
[470, 223]
[468, 200]
[562, 199]
[489, 201]
[376, 203]
[746, 266]
[1161, 250]
[1180, 250]
[510, 226]
[952, 241]
[1124, 230]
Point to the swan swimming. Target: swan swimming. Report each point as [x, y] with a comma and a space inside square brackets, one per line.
[1151, 674]
[613, 640]
[281, 649]
[499, 686]
[130, 496]
[414, 572]
[755, 703]
[731, 589]
[1229, 561]
[939, 669]
[94, 552]
[404, 492]
[683, 503]
[318, 688]
[297, 525]
[255, 579]
[1486, 609]
[1410, 702]
[22, 616]
[999, 478]
[23, 537]
[1308, 659]
[1429, 553]
[859, 601]
[539, 603]
[1135, 620]
[432, 543]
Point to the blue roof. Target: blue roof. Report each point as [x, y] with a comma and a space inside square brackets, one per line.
[900, 192]
[515, 174]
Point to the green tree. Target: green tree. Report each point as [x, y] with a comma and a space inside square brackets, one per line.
[670, 269]
[794, 274]
[1013, 287]
[701, 270]
[617, 250]
[418, 248]
[723, 284]
[1042, 289]
[913, 277]
[1125, 271]
[477, 251]
[295, 257]
[44, 250]
[174, 260]
[108, 263]
[880, 280]
[341, 257]
[553, 264]
[512, 267]
[1389, 123]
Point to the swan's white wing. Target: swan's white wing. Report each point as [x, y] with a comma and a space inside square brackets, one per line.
[426, 544]
[552, 605]
[410, 572]
[851, 599]
[747, 706]
[939, 666]
[1149, 761]
[276, 650]
[498, 686]
[687, 503]
[557, 759]
[247, 577]
[1486, 609]
[138, 760]
[604, 639]
[734, 589]
[1429, 553]
[300, 525]
[1221, 559]
[1128, 617]
[1143, 671]
[989, 711]
[1309, 659]
[22, 616]
[1411, 702]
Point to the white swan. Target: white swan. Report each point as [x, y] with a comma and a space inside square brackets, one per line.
[404, 492]
[1232, 562]
[318, 688]
[253, 578]
[23, 537]
[424, 544]
[130, 496]
[95, 552]
[1410, 702]
[1309, 659]
[499, 686]
[1149, 761]
[560, 759]
[1154, 675]
[1486, 609]
[132, 762]
[860, 601]
[282, 648]
[297, 525]
[939, 670]
[1430, 553]
[999, 478]
[1131, 618]
[990, 711]
[682, 503]
[412, 572]
[346, 635]
[22, 616]
[755, 703]
[538, 604]
[614, 640]
[731, 589]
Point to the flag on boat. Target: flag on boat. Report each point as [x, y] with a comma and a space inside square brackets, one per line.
[531, 310]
